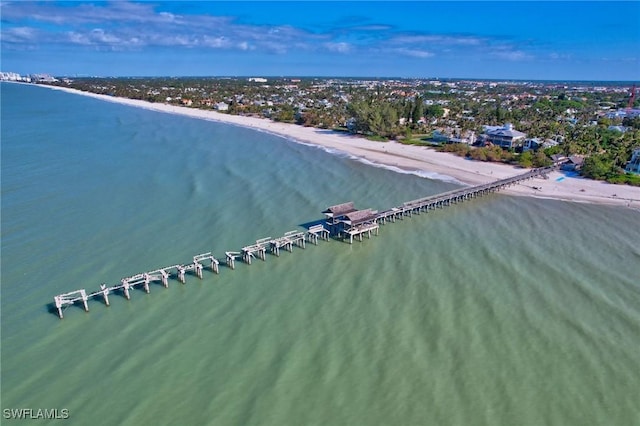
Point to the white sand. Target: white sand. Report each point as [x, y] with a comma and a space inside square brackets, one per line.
[417, 158]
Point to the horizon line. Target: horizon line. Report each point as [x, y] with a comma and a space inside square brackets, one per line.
[559, 80]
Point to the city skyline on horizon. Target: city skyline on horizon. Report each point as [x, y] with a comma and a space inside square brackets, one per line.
[456, 40]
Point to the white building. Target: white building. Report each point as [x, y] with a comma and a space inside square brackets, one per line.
[221, 106]
[535, 143]
[504, 136]
[12, 76]
[622, 113]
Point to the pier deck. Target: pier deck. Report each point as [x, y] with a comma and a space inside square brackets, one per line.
[343, 220]
[317, 232]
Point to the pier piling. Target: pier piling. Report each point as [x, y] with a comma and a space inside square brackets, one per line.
[105, 293]
[181, 273]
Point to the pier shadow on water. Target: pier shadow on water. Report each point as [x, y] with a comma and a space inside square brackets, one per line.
[308, 225]
[51, 307]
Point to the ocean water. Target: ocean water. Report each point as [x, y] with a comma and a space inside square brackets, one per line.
[499, 311]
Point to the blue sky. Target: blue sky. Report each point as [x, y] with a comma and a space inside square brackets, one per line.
[503, 40]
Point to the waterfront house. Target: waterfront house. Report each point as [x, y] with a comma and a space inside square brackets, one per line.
[221, 106]
[535, 144]
[573, 163]
[558, 159]
[531, 144]
[621, 129]
[633, 166]
[504, 136]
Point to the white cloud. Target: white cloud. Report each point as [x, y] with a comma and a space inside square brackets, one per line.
[20, 34]
[373, 27]
[437, 40]
[219, 42]
[126, 25]
[341, 47]
[512, 55]
[77, 38]
[415, 53]
[100, 36]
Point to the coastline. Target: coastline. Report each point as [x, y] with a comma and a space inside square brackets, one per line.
[420, 160]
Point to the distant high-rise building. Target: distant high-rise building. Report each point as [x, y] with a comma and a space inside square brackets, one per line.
[12, 76]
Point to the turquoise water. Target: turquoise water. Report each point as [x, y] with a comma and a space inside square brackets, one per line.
[503, 310]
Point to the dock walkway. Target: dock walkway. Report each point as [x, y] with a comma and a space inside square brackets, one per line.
[459, 195]
[343, 221]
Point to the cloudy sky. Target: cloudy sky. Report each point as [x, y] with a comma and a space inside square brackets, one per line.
[509, 39]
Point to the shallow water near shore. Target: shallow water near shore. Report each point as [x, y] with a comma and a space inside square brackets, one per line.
[502, 310]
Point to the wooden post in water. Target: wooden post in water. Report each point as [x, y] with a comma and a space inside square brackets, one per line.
[146, 282]
[214, 265]
[105, 293]
[231, 259]
[83, 295]
[125, 288]
[59, 306]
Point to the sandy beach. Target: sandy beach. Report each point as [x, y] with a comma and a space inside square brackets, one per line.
[423, 160]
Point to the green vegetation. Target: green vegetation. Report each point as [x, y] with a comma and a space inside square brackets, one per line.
[603, 167]
[608, 152]
[285, 114]
[409, 110]
[534, 159]
[375, 118]
[625, 179]
[460, 149]
[377, 138]
[415, 141]
[497, 154]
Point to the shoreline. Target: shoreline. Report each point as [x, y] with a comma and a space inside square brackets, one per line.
[419, 160]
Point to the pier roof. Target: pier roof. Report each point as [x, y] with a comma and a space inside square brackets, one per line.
[360, 216]
[340, 209]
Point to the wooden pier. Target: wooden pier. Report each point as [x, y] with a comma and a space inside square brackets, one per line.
[179, 271]
[289, 239]
[457, 195]
[343, 221]
[316, 232]
[260, 247]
